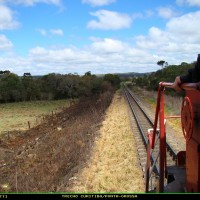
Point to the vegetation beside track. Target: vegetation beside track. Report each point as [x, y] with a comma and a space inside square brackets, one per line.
[15, 116]
[46, 156]
[172, 106]
[113, 166]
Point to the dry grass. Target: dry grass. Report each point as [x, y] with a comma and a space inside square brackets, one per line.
[172, 104]
[57, 155]
[172, 107]
[44, 158]
[113, 166]
[15, 116]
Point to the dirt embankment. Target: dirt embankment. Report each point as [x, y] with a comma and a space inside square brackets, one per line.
[46, 157]
[75, 151]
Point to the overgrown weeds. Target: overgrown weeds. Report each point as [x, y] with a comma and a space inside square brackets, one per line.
[48, 155]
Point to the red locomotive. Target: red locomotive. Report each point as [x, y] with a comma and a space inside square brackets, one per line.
[185, 175]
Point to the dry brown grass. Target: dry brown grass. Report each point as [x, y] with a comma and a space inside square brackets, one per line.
[172, 107]
[113, 166]
[45, 158]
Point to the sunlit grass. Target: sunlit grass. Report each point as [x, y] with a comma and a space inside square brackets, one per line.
[15, 116]
[172, 106]
[114, 165]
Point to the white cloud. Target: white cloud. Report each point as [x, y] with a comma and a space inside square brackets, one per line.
[156, 38]
[184, 28]
[108, 45]
[98, 2]
[106, 55]
[188, 2]
[5, 43]
[58, 55]
[149, 13]
[7, 20]
[179, 30]
[15, 64]
[38, 51]
[180, 2]
[166, 12]
[193, 2]
[103, 54]
[60, 60]
[179, 40]
[57, 32]
[33, 2]
[43, 32]
[110, 20]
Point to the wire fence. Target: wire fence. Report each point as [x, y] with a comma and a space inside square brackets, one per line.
[7, 134]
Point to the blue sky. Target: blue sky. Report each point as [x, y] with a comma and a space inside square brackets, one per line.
[101, 36]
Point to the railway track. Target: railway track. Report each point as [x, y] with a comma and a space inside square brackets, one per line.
[144, 122]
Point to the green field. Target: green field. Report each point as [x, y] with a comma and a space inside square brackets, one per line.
[15, 116]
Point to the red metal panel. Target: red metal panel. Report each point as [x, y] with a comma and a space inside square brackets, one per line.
[193, 142]
[162, 144]
[192, 167]
[193, 146]
[195, 99]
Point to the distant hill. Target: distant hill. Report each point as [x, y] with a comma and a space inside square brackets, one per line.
[131, 74]
[126, 75]
[121, 75]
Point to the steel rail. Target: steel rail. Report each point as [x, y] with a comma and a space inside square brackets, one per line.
[155, 167]
[169, 148]
[144, 137]
[154, 135]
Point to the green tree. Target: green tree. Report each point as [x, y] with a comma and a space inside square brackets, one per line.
[31, 87]
[68, 86]
[161, 63]
[49, 86]
[88, 73]
[113, 79]
[10, 88]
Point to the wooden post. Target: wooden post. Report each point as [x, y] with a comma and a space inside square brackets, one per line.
[29, 126]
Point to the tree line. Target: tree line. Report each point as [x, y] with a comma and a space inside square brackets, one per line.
[14, 88]
[167, 74]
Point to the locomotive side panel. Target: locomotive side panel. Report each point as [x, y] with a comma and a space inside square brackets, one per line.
[193, 146]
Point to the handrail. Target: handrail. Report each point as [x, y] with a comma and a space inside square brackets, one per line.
[159, 117]
[184, 86]
[162, 85]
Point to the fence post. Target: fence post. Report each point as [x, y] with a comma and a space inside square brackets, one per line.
[29, 126]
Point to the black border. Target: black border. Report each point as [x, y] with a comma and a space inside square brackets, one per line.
[64, 196]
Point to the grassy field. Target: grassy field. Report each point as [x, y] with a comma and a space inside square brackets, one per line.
[15, 116]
